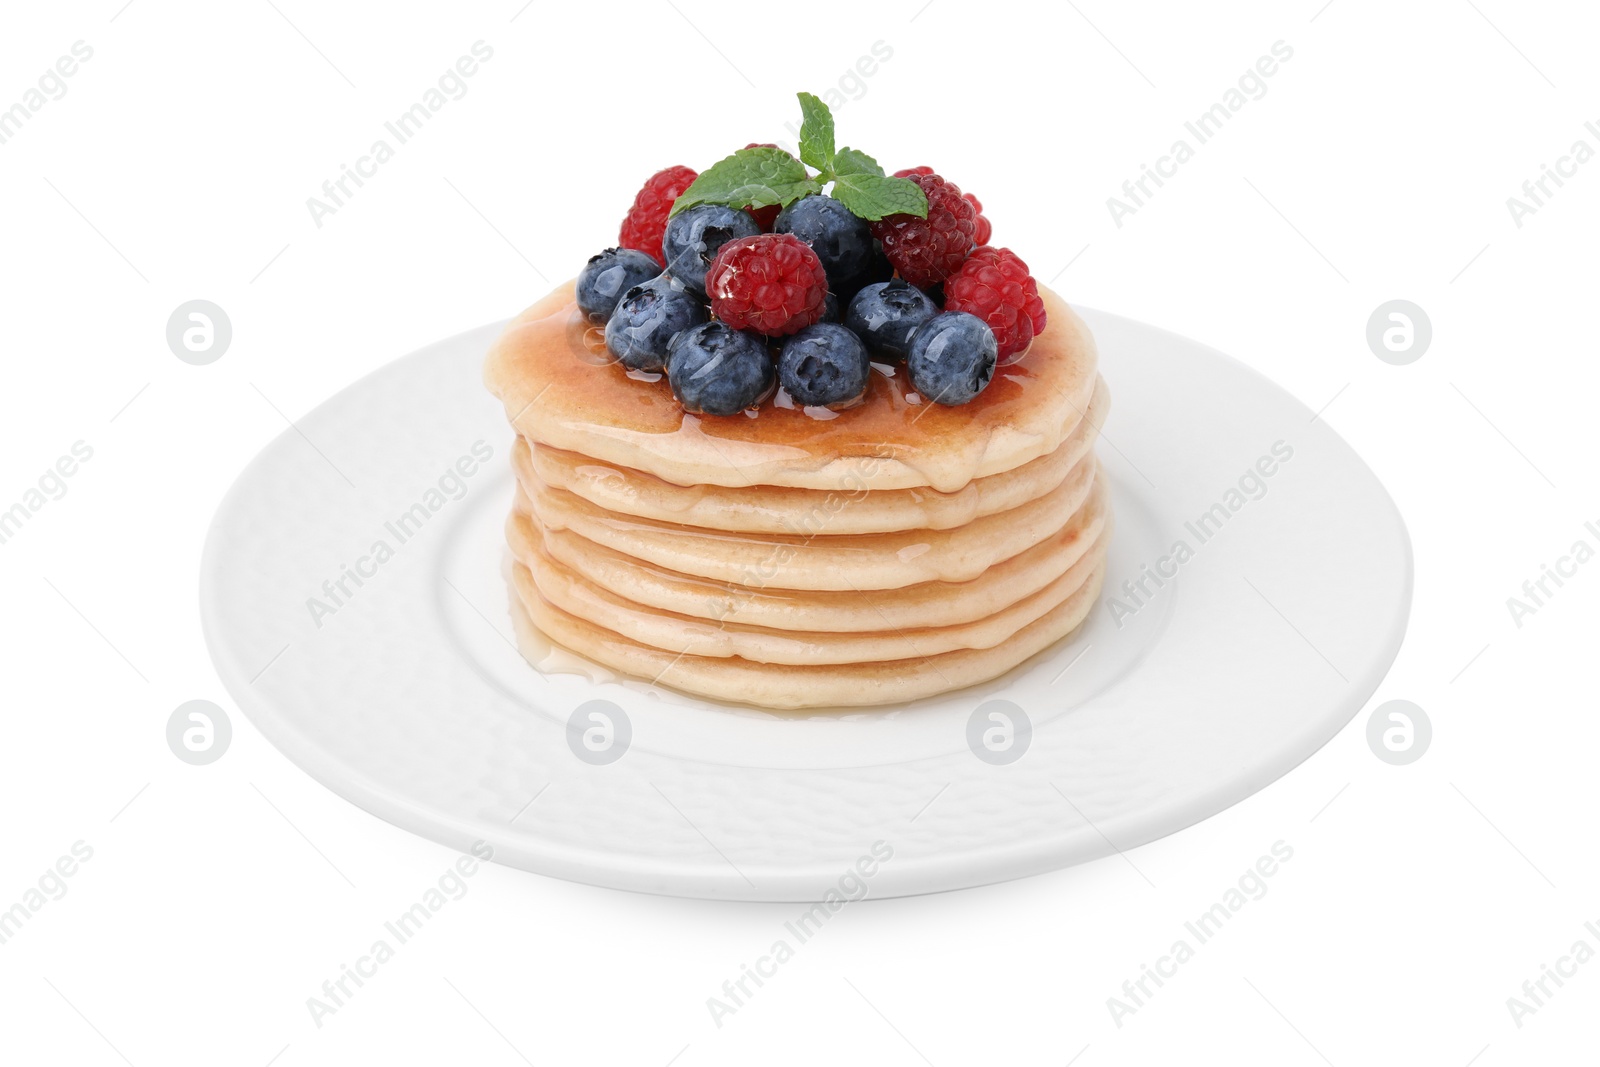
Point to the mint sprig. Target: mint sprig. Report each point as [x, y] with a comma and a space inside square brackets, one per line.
[816, 132]
[759, 177]
[751, 177]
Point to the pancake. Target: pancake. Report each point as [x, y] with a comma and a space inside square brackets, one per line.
[829, 562]
[786, 686]
[791, 557]
[924, 605]
[785, 510]
[569, 591]
[560, 388]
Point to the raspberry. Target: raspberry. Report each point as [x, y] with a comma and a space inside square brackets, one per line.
[771, 283]
[646, 221]
[994, 284]
[984, 229]
[764, 216]
[927, 251]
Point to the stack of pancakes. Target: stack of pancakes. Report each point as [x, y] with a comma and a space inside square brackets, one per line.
[794, 558]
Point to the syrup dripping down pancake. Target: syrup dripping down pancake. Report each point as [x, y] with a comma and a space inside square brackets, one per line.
[551, 371]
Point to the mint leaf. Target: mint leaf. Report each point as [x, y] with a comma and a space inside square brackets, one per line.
[751, 177]
[782, 194]
[816, 132]
[855, 161]
[872, 196]
[760, 177]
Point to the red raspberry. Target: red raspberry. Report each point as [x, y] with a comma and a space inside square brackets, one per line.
[984, 229]
[771, 283]
[646, 221]
[927, 251]
[994, 284]
[764, 216]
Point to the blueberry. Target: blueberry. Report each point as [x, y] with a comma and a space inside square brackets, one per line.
[648, 317]
[693, 237]
[824, 364]
[952, 357]
[886, 314]
[840, 239]
[607, 276]
[879, 269]
[830, 309]
[717, 370]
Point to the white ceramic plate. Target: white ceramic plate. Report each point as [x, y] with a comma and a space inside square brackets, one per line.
[404, 692]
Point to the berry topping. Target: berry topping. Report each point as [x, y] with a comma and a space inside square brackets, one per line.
[879, 269]
[813, 262]
[646, 221]
[693, 237]
[717, 370]
[765, 217]
[952, 358]
[831, 312]
[825, 364]
[981, 234]
[983, 230]
[886, 314]
[928, 250]
[840, 239]
[994, 284]
[771, 283]
[604, 279]
[646, 320]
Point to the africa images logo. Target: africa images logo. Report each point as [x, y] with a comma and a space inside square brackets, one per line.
[450, 486]
[1139, 591]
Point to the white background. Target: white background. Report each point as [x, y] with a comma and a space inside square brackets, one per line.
[1377, 166]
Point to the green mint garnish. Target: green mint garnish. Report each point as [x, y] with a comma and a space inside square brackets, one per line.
[751, 177]
[816, 133]
[872, 196]
[855, 161]
[758, 177]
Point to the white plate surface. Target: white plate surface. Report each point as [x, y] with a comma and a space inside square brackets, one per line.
[404, 693]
